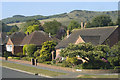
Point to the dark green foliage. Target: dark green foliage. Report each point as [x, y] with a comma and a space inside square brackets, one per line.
[26, 58]
[20, 54]
[7, 54]
[114, 55]
[100, 21]
[13, 29]
[73, 24]
[53, 62]
[31, 48]
[31, 23]
[96, 64]
[6, 28]
[97, 57]
[52, 27]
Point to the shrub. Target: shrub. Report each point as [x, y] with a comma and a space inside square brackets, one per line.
[65, 64]
[31, 48]
[20, 54]
[78, 66]
[96, 64]
[7, 54]
[72, 60]
[47, 62]
[37, 53]
[53, 62]
[117, 67]
[18, 58]
[26, 58]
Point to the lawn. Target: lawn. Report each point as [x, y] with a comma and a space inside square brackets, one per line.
[32, 69]
[98, 76]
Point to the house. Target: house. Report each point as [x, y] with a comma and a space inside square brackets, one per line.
[3, 41]
[100, 35]
[18, 40]
[14, 42]
[37, 38]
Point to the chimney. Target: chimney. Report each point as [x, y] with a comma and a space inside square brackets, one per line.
[49, 35]
[68, 33]
[27, 33]
[85, 24]
[81, 24]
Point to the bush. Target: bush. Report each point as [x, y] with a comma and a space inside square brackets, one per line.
[40, 60]
[65, 64]
[26, 58]
[117, 67]
[18, 58]
[37, 53]
[53, 62]
[20, 54]
[47, 62]
[31, 48]
[72, 60]
[96, 64]
[7, 54]
[78, 66]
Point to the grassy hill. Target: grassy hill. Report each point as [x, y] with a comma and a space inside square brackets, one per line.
[65, 18]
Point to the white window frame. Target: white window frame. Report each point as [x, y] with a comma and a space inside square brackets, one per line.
[9, 48]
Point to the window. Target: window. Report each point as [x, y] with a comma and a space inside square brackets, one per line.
[9, 48]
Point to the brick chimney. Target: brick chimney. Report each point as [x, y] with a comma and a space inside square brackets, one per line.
[81, 24]
[68, 33]
[85, 24]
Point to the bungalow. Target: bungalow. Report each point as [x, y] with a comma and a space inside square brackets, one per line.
[100, 35]
[18, 40]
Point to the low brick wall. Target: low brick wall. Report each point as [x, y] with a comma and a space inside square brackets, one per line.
[66, 69]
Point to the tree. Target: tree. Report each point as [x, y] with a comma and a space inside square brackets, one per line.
[73, 24]
[114, 55]
[52, 27]
[31, 23]
[29, 50]
[37, 53]
[47, 48]
[25, 49]
[31, 29]
[101, 21]
[13, 29]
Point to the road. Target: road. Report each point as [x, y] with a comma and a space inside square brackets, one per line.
[9, 73]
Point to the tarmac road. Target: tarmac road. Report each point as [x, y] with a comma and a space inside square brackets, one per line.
[9, 73]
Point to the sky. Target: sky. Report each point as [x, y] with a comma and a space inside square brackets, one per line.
[50, 8]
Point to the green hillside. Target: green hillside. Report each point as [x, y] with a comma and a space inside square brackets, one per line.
[65, 18]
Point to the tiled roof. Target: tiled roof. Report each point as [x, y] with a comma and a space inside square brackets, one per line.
[94, 35]
[37, 37]
[17, 38]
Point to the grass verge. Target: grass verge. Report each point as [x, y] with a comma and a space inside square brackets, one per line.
[31, 69]
[98, 76]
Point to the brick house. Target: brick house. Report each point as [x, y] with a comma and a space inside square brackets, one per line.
[100, 35]
[14, 42]
[3, 41]
[17, 40]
